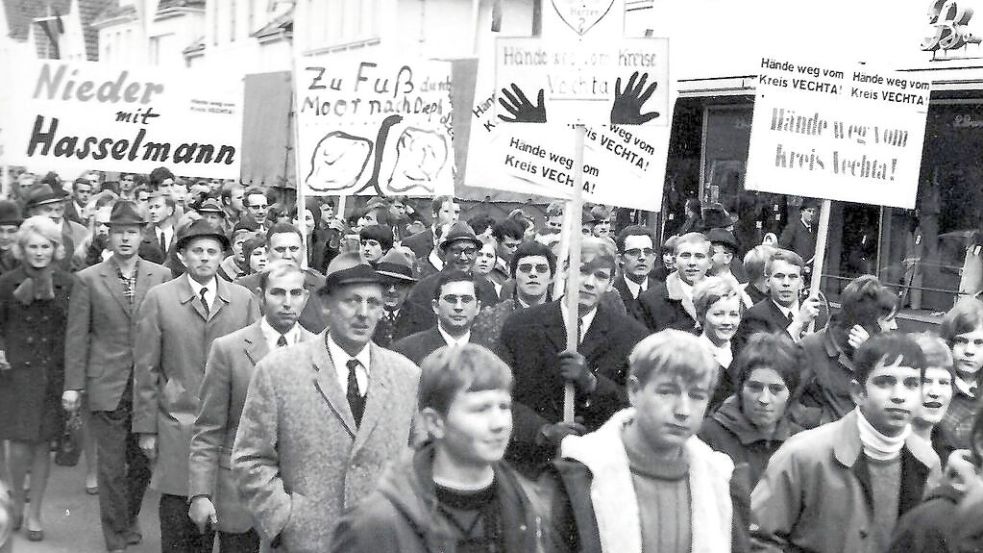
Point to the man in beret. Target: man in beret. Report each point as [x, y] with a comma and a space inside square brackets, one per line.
[177, 323]
[322, 418]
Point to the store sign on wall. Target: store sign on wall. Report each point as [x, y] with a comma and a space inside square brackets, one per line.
[952, 27]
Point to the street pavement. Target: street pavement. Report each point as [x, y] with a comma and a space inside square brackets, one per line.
[71, 518]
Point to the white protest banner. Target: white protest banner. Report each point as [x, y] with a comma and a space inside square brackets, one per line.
[374, 126]
[75, 116]
[599, 82]
[838, 132]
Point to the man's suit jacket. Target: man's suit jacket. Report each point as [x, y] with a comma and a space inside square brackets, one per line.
[422, 294]
[799, 239]
[417, 346]
[174, 336]
[231, 363]
[101, 331]
[411, 319]
[764, 316]
[531, 341]
[633, 308]
[666, 306]
[299, 459]
[420, 243]
[312, 317]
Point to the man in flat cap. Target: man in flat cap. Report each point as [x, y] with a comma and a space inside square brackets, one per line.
[99, 361]
[323, 417]
[177, 323]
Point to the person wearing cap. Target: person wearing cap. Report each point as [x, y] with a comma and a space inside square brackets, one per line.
[723, 248]
[534, 343]
[284, 241]
[456, 305]
[460, 248]
[230, 366]
[176, 325]
[99, 359]
[236, 265]
[375, 241]
[444, 210]
[42, 199]
[800, 236]
[323, 418]
[10, 221]
[211, 211]
[400, 318]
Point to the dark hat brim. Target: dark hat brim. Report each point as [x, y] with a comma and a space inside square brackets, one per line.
[477, 243]
[388, 275]
[183, 241]
[359, 274]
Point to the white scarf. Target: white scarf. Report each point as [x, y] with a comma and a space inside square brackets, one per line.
[613, 493]
[877, 446]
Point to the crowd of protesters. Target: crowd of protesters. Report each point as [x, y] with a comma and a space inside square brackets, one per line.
[298, 381]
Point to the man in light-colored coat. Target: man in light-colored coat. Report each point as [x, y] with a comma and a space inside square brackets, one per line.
[99, 361]
[305, 452]
[231, 363]
[178, 321]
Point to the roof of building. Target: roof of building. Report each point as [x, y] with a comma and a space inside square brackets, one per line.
[168, 4]
[21, 13]
[112, 11]
[280, 23]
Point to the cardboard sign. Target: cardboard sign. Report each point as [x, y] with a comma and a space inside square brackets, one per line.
[76, 116]
[374, 127]
[849, 133]
[620, 82]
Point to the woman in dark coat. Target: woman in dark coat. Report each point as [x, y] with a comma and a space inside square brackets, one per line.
[752, 424]
[33, 318]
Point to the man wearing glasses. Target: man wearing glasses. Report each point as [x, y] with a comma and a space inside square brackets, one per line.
[636, 254]
[460, 247]
[455, 303]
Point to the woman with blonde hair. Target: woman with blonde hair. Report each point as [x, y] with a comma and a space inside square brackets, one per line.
[33, 318]
[719, 309]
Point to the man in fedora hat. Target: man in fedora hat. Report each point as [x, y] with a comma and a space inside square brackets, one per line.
[99, 361]
[42, 199]
[322, 418]
[400, 318]
[460, 247]
[10, 221]
[177, 323]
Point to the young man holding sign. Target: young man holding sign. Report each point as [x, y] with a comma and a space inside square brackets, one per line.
[533, 343]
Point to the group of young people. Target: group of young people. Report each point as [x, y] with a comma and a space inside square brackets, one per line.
[410, 396]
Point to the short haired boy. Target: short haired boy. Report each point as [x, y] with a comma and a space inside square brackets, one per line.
[454, 493]
[842, 486]
[644, 482]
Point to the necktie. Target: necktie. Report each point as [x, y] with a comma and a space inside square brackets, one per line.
[789, 317]
[355, 399]
[204, 301]
[163, 242]
[281, 341]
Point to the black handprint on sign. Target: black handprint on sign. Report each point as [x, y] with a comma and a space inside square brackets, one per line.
[627, 108]
[522, 110]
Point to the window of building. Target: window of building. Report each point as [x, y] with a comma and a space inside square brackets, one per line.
[341, 22]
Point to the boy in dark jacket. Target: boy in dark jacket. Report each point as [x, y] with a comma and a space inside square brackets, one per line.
[455, 494]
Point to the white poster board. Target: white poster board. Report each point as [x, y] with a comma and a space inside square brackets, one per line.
[371, 126]
[838, 132]
[75, 116]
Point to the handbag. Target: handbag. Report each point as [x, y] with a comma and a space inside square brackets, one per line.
[69, 444]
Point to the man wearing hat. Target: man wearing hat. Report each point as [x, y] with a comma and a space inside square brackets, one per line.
[230, 367]
[723, 248]
[800, 236]
[400, 318]
[42, 199]
[324, 417]
[177, 323]
[460, 247]
[10, 221]
[211, 211]
[99, 361]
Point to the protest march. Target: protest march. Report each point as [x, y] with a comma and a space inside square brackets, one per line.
[499, 276]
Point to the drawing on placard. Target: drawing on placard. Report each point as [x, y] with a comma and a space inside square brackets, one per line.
[420, 157]
[520, 108]
[338, 162]
[626, 109]
[582, 15]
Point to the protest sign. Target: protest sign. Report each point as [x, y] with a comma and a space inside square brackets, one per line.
[600, 82]
[837, 132]
[369, 126]
[76, 116]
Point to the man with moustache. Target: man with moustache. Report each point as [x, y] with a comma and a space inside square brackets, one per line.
[670, 304]
[533, 343]
[324, 417]
[215, 499]
[99, 358]
[177, 324]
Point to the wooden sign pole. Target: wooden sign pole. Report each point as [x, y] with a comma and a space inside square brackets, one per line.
[572, 298]
[817, 262]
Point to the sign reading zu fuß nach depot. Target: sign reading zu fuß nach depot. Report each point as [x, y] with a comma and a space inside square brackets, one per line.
[838, 132]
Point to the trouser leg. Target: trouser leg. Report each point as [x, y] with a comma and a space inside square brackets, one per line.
[246, 542]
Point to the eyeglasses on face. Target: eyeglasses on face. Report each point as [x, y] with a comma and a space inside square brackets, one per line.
[636, 252]
[541, 268]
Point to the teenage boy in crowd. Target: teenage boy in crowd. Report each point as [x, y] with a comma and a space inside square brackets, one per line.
[455, 493]
[374, 242]
[455, 303]
[643, 482]
[444, 210]
[869, 458]
[534, 344]
[670, 304]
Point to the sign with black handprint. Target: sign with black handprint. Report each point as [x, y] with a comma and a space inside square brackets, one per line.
[618, 82]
